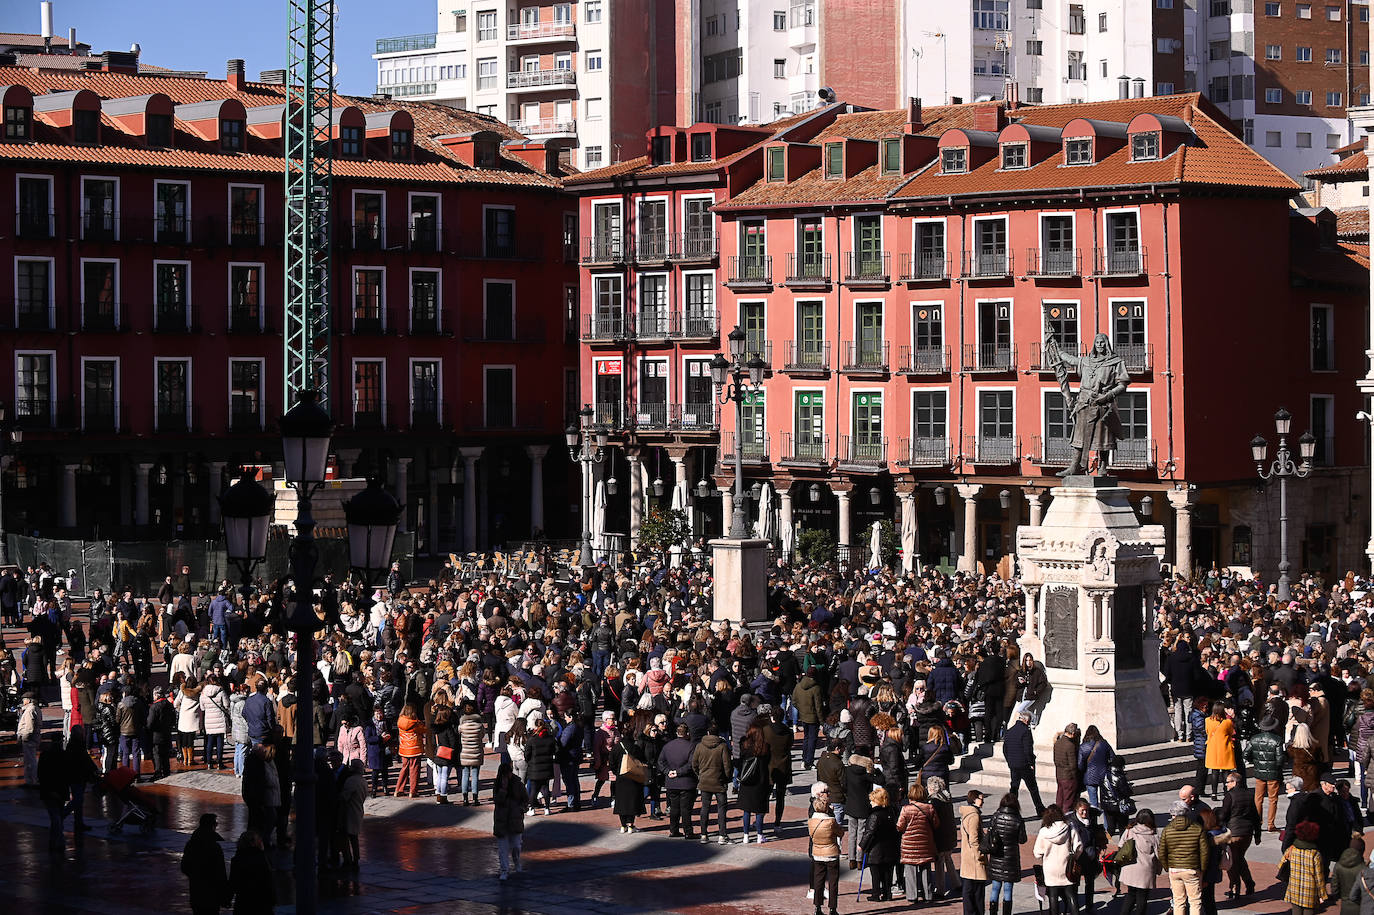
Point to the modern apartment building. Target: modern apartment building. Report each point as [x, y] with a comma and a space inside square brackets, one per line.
[546, 69]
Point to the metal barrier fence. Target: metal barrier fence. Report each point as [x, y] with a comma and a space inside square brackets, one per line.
[141, 565]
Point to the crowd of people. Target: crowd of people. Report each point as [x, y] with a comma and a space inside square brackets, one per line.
[620, 678]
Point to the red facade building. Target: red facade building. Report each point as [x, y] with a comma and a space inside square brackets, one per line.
[900, 272]
[143, 293]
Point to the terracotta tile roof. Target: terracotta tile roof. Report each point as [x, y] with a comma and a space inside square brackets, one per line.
[1353, 166]
[26, 39]
[1351, 147]
[1352, 222]
[1346, 265]
[433, 162]
[1215, 157]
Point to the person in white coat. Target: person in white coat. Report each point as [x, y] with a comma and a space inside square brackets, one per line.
[29, 732]
[506, 710]
[1056, 848]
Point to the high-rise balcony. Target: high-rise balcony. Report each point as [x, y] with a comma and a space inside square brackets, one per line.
[531, 32]
[868, 268]
[750, 271]
[652, 247]
[696, 324]
[607, 249]
[987, 264]
[697, 246]
[808, 270]
[866, 357]
[989, 357]
[546, 127]
[605, 327]
[535, 80]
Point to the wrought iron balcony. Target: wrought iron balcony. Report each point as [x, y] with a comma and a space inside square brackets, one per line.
[1052, 451]
[865, 451]
[806, 357]
[924, 267]
[806, 450]
[605, 327]
[753, 449]
[700, 246]
[987, 265]
[696, 325]
[1040, 362]
[989, 357]
[1120, 260]
[1054, 262]
[651, 416]
[808, 270]
[1133, 454]
[35, 224]
[750, 271]
[603, 250]
[923, 360]
[652, 248]
[868, 268]
[1139, 357]
[653, 324]
[1001, 450]
[924, 452]
[865, 357]
[693, 417]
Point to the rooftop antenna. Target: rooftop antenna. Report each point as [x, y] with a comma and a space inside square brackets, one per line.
[45, 11]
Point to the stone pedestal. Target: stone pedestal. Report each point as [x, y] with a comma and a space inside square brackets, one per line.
[1090, 574]
[740, 580]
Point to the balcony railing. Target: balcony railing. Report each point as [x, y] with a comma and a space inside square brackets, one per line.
[605, 327]
[863, 450]
[244, 321]
[989, 357]
[761, 348]
[171, 319]
[653, 324]
[750, 270]
[540, 79]
[406, 43]
[603, 249]
[923, 360]
[693, 417]
[172, 420]
[1139, 357]
[806, 357]
[423, 238]
[808, 450]
[34, 412]
[1120, 261]
[1133, 454]
[526, 31]
[651, 416]
[696, 325]
[92, 320]
[35, 224]
[924, 267]
[697, 246]
[1052, 451]
[753, 450]
[429, 414]
[865, 356]
[425, 323]
[1054, 262]
[1040, 361]
[366, 236]
[544, 127]
[868, 268]
[998, 450]
[808, 270]
[610, 415]
[97, 417]
[98, 226]
[924, 452]
[651, 248]
[245, 232]
[986, 265]
[171, 230]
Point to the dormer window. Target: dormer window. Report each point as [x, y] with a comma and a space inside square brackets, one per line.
[18, 122]
[1078, 151]
[230, 135]
[1014, 155]
[158, 128]
[892, 156]
[401, 143]
[485, 152]
[1145, 146]
[86, 126]
[351, 141]
[661, 150]
[777, 163]
[701, 147]
[954, 160]
[834, 160]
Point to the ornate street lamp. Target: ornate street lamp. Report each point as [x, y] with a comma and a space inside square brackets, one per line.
[1283, 467]
[246, 512]
[372, 517]
[587, 445]
[734, 381]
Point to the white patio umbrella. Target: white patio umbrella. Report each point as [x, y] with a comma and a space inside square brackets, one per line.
[679, 502]
[764, 528]
[875, 547]
[599, 521]
[908, 537]
[789, 540]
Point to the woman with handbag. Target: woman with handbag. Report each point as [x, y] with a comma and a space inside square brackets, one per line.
[755, 781]
[628, 777]
[825, 834]
[1057, 848]
[445, 750]
[1139, 843]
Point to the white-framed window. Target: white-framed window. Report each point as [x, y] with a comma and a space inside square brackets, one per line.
[246, 305]
[172, 211]
[487, 29]
[1303, 96]
[1303, 54]
[100, 299]
[1333, 141]
[33, 217]
[1334, 55]
[498, 309]
[1034, 47]
[1323, 338]
[246, 202]
[592, 157]
[1164, 88]
[992, 15]
[954, 160]
[99, 208]
[100, 395]
[1334, 98]
[245, 395]
[369, 300]
[1304, 11]
[35, 386]
[171, 295]
[779, 68]
[1272, 9]
[369, 393]
[488, 71]
[594, 109]
[1273, 95]
[1145, 146]
[779, 21]
[593, 61]
[498, 396]
[592, 10]
[1273, 52]
[172, 396]
[1035, 95]
[426, 392]
[33, 293]
[426, 302]
[1333, 14]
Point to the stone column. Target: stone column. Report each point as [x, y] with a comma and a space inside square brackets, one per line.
[968, 557]
[906, 493]
[402, 491]
[636, 495]
[1035, 499]
[69, 494]
[431, 518]
[536, 454]
[141, 471]
[470, 456]
[842, 492]
[785, 522]
[1183, 501]
[215, 487]
[727, 508]
[348, 461]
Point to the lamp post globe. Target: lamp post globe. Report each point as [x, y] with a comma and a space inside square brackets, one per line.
[305, 433]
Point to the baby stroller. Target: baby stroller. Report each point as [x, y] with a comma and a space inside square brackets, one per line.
[136, 808]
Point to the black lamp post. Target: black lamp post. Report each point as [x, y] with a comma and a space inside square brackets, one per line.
[587, 445]
[1283, 467]
[734, 380]
[372, 517]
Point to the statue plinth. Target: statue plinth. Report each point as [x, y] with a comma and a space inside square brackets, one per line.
[739, 580]
[1090, 573]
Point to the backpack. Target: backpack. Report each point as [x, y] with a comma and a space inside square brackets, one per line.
[751, 772]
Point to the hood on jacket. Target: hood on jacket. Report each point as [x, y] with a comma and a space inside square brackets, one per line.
[711, 741]
[1058, 833]
[1350, 858]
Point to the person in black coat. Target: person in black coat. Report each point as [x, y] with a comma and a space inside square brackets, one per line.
[627, 794]
[1241, 817]
[895, 776]
[881, 844]
[990, 678]
[251, 884]
[1019, 751]
[1006, 834]
[675, 769]
[858, 785]
[202, 861]
[261, 789]
[1181, 672]
[541, 750]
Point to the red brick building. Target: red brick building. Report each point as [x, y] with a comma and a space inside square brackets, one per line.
[142, 300]
[899, 271]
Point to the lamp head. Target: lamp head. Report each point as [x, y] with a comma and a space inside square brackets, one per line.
[1283, 421]
[1307, 447]
[736, 339]
[756, 366]
[719, 368]
[305, 432]
[1259, 449]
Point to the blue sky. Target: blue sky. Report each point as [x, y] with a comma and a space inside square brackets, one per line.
[202, 34]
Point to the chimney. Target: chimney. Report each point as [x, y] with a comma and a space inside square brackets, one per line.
[989, 117]
[119, 62]
[1012, 94]
[914, 120]
[272, 77]
[234, 73]
[45, 27]
[1123, 87]
[71, 40]
[1138, 87]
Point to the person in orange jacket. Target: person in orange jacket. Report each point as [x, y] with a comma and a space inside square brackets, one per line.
[411, 727]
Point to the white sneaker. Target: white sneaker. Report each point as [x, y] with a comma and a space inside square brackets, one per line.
[723, 839]
[811, 894]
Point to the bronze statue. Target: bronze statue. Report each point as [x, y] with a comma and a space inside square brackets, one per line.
[1096, 422]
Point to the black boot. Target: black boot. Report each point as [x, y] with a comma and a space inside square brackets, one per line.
[1006, 907]
[992, 907]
